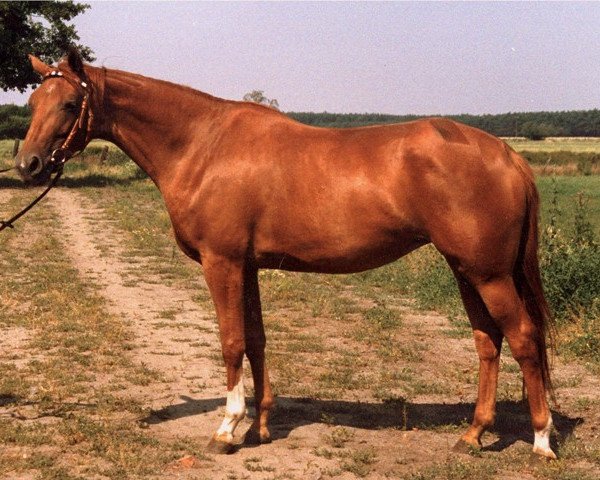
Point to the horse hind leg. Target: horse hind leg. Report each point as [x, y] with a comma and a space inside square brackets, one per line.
[509, 313]
[488, 342]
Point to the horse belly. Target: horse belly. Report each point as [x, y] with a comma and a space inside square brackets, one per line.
[342, 254]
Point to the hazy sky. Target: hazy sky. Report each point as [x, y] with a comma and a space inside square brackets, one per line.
[393, 57]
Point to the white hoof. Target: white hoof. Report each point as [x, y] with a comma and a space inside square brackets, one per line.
[547, 453]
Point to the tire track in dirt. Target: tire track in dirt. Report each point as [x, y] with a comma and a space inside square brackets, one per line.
[173, 334]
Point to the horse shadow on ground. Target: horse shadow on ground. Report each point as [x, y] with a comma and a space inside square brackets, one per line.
[512, 419]
[512, 424]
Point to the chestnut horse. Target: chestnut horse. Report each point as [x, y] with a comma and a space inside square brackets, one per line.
[247, 188]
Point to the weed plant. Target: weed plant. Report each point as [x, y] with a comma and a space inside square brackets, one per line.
[570, 264]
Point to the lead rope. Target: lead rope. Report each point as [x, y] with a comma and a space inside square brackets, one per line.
[9, 223]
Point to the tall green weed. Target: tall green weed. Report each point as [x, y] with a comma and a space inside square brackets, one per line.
[570, 265]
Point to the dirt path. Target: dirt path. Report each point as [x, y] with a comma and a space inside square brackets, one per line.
[313, 438]
[174, 336]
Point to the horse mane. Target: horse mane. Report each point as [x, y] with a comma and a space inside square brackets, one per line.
[137, 80]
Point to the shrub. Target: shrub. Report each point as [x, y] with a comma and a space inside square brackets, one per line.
[14, 121]
[570, 264]
[539, 131]
[14, 127]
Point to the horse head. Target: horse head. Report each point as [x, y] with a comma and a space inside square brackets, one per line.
[61, 118]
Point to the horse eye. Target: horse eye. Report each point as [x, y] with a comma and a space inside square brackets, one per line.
[70, 106]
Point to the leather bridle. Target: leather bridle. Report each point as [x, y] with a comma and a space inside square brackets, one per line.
[61, 155]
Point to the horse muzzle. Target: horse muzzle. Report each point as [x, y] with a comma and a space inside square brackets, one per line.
[34, 169]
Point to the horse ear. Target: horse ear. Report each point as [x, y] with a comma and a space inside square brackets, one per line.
[39, 66]
[75, 61]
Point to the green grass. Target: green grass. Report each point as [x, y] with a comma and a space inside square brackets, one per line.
[360, 461]
[457, 469]
[556, 144]
[566, 189]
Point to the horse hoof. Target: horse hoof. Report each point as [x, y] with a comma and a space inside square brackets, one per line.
[219, 447]
[253, 437]
[465, 447]
[541, 457]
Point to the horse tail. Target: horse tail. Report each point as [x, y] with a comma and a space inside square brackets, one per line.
[527, 274]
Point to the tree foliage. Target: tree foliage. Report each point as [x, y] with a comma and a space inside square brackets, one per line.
[539, 131]
[39, 28]
[258, 96]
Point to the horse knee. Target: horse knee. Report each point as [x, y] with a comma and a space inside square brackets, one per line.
[233, 351]
[523, 345]
[488, 349]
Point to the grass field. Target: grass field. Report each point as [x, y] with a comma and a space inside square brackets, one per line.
[554, 144]
[566, 190]
[344, 331]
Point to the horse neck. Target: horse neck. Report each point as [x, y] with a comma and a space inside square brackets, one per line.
[154, 122]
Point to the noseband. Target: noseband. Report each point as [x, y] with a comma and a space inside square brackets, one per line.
[61, 155]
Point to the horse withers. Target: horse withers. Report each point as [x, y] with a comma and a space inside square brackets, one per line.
[246, 188]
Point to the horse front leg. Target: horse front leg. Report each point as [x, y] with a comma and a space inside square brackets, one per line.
[225, 280]
[255, 351]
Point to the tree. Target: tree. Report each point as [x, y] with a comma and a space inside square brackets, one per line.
[258, 96]
[38, 28]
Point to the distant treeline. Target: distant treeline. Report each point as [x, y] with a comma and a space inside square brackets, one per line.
[582, 123]
[14, 121]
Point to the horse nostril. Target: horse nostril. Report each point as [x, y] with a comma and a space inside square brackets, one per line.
[35, 166]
